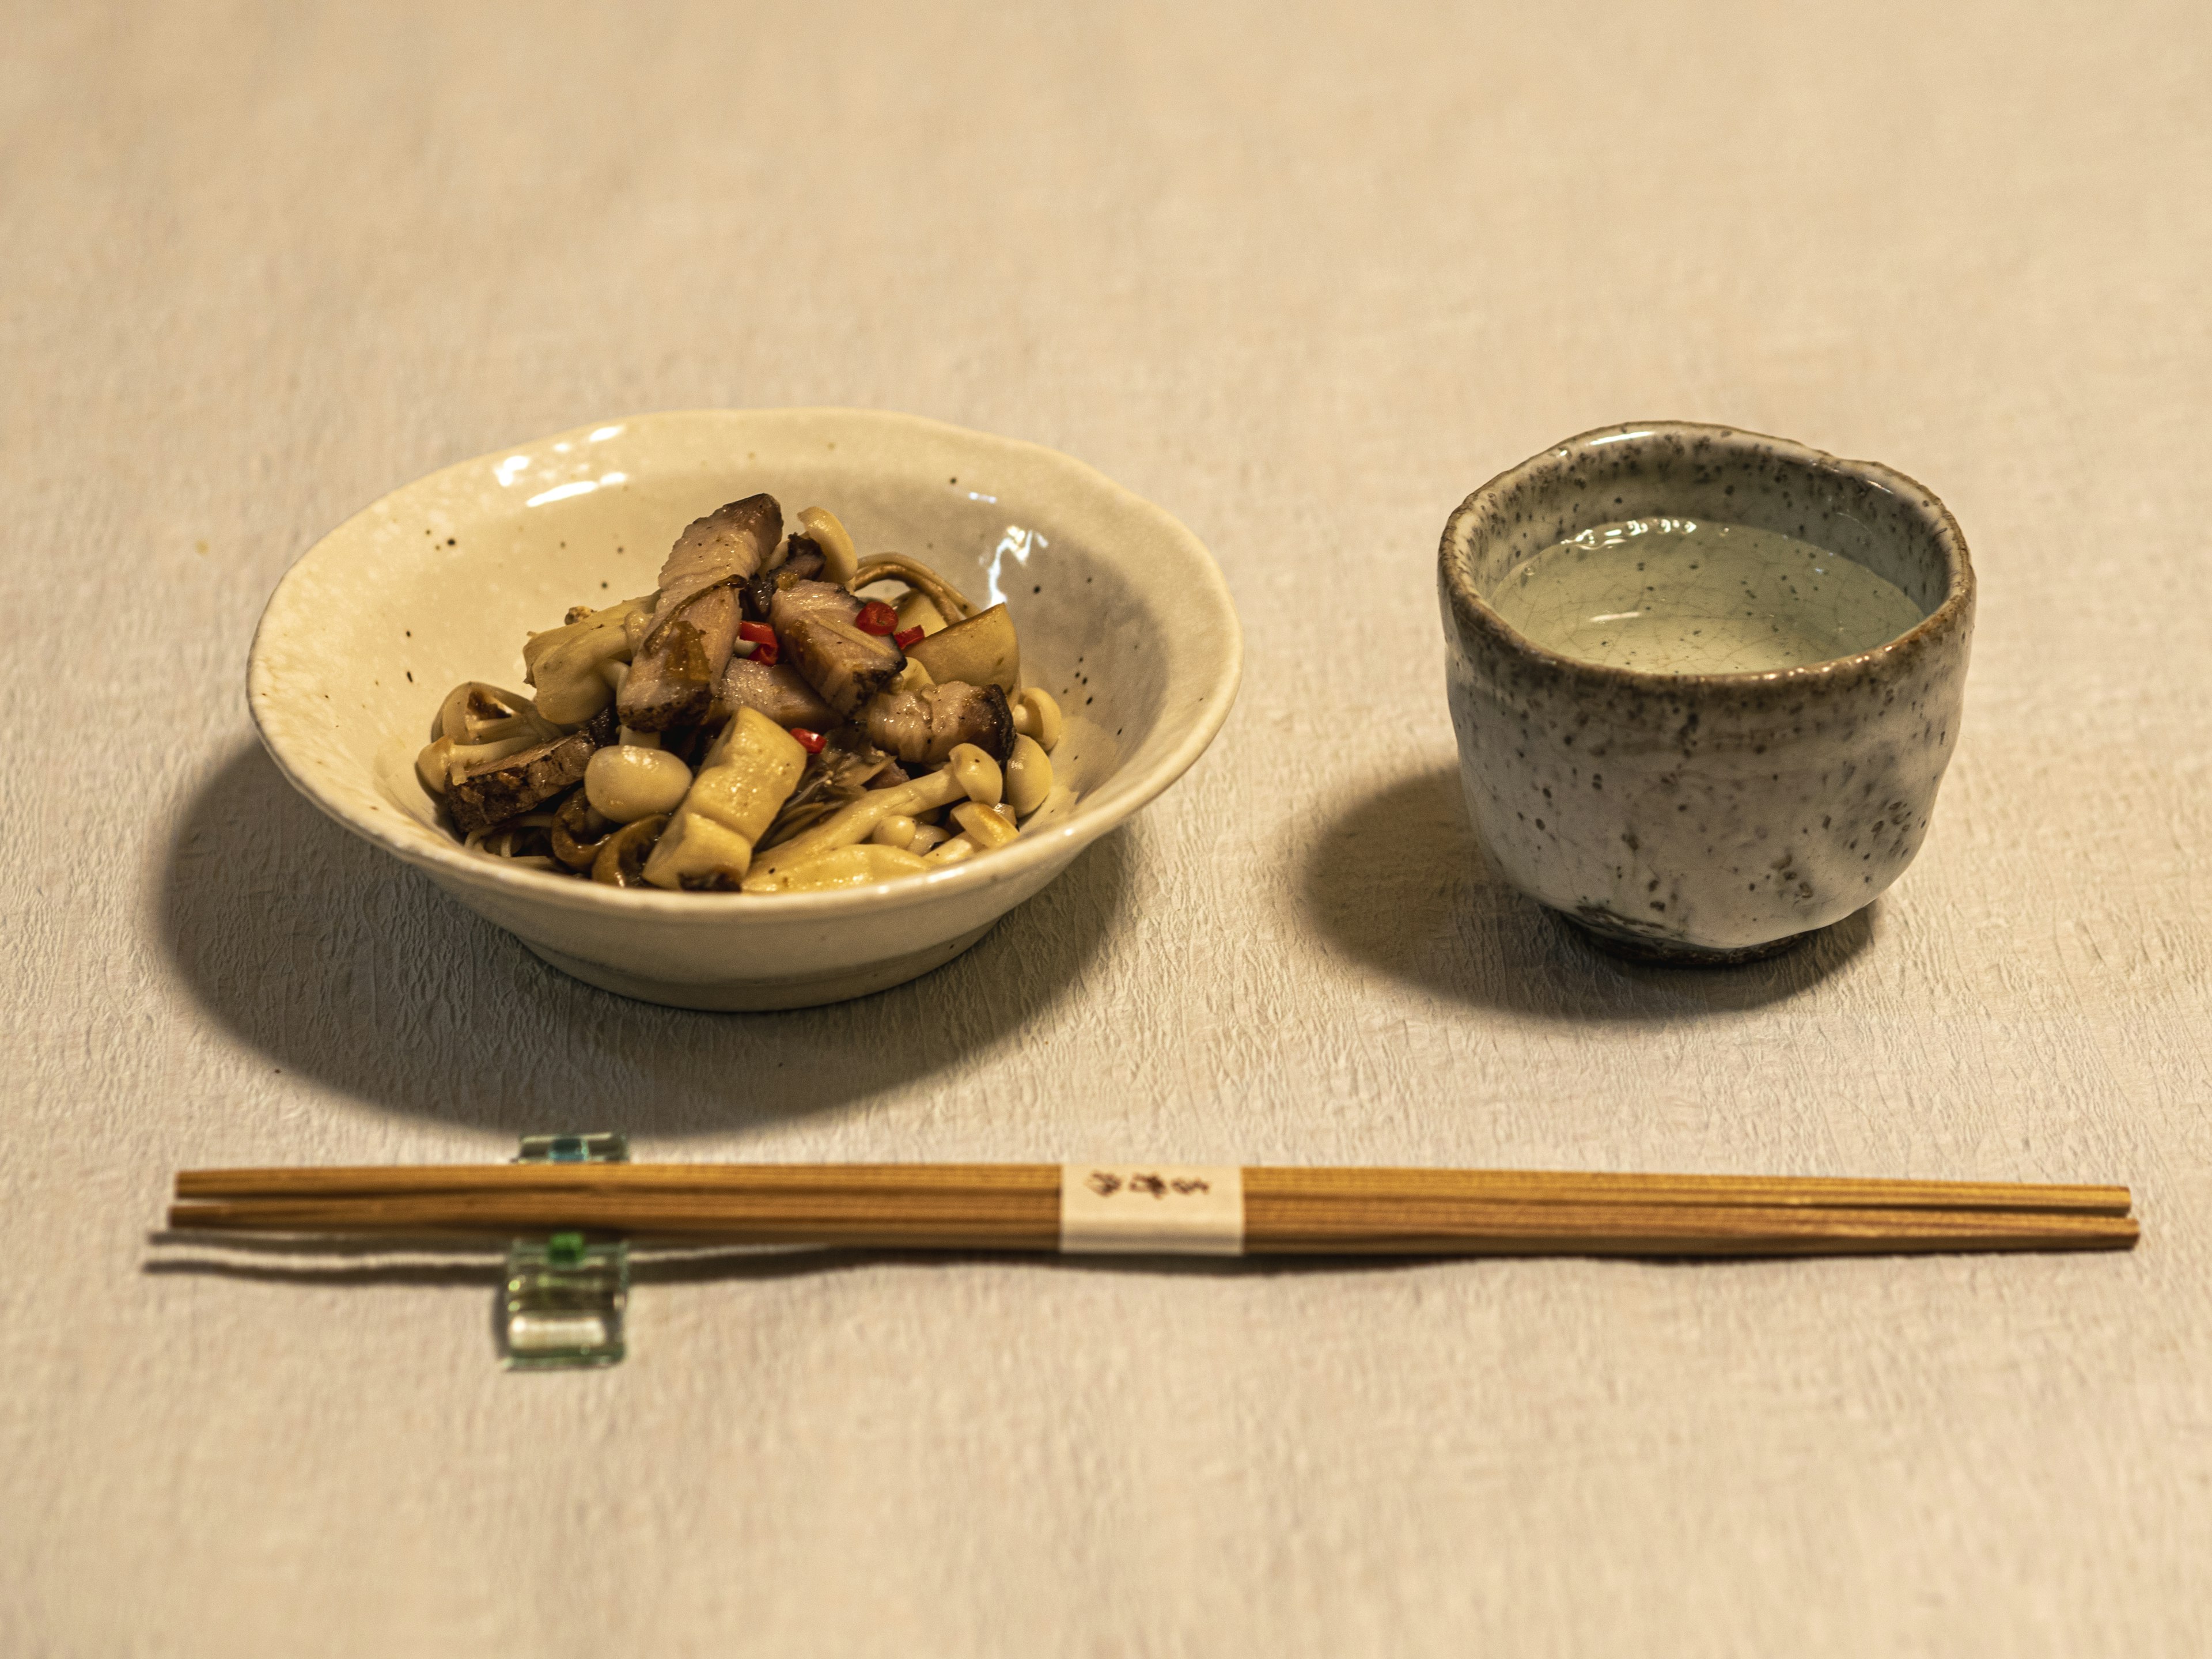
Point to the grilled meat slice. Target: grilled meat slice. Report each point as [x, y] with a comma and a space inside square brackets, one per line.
[802, 597]
[802, 562]
[730, 544]
[781, 693]
[672, 679]
[846, 666]
[524, 782]
[814, 623]
[922, 727]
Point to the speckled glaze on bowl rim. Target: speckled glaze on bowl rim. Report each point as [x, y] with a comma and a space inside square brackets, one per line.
[1470, 606]
[284, 729]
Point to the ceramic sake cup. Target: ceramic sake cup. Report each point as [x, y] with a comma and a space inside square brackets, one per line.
[1122, 616]
[1702, 817]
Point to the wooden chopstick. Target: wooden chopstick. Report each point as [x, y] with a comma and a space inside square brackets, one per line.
[1289, 1183]
[1287, 1211]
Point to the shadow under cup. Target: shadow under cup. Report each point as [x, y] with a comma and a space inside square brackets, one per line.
[1708, 817]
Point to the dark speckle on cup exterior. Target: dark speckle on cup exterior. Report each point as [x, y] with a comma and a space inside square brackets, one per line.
[1704, 817]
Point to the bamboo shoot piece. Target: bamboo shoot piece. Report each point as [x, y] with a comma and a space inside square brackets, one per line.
[981, 651]
[753, 766]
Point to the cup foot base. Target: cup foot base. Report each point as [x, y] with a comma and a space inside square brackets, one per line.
[1611, 937]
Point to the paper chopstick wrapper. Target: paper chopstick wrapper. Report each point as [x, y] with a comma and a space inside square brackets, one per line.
[1155, 1209]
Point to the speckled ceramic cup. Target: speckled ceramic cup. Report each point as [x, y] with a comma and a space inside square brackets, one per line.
[1692, 817]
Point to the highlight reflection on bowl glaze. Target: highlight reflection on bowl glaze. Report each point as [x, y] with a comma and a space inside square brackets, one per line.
[1704, 817]
[1121, 611]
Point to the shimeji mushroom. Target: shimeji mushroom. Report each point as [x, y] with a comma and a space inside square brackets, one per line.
[475, 713]
[622, 856]
[628, 782]
[988, 826]
[564, 663]
[845, 867]
[957, 850]
[1037, 715]
[840, 562]
[578, 832]
[475, 725]
[915, 609]
[897, 830]
[969, 772]
[752, 766]
[438, 762]
[1029, 776]
[835, 778]
[952, 604]
[617, 674]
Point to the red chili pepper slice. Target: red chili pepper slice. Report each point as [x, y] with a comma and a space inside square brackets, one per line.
[906, 638]
[762, 638]
[810, 741]
[876, 617]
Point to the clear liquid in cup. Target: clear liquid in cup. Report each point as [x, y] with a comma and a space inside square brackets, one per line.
[1679, 596]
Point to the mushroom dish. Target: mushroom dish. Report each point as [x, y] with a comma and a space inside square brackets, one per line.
[758, 724]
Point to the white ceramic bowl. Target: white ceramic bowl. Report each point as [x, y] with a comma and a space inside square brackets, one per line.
[1121, 613]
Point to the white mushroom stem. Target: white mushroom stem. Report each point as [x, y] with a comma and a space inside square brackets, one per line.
[475, 713]
[987, 826]
[843, 867]
[1029, 775]
[979, 774]
[840, 561]
[437, 764]
[564, 663]
[480, 753]
[952, 604]
[954, 851]
[969, 771]
[1037, 715]
[430, 766]
[916, 610]
[927, 835]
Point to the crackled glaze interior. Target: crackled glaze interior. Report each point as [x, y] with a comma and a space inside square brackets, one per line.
[1704, 817]
[1121, 615]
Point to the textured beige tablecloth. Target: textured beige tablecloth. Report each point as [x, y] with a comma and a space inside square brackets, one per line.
[1304, 276]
